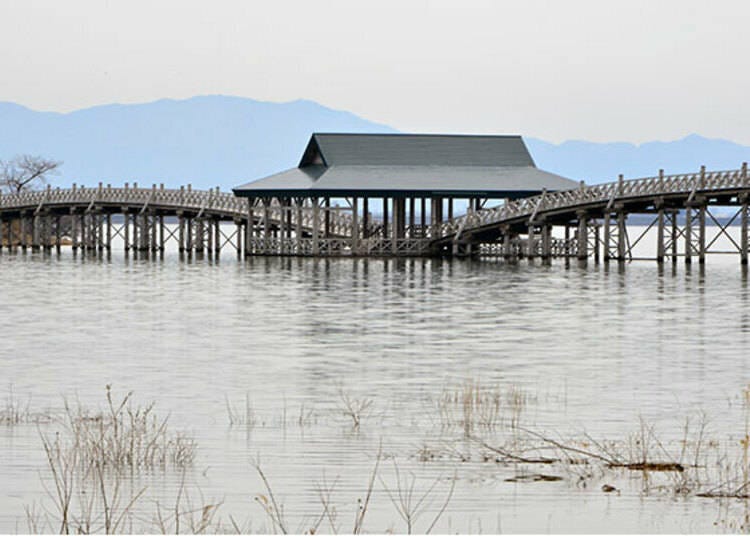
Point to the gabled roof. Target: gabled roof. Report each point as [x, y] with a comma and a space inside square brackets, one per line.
[416, 150]
[339, 165]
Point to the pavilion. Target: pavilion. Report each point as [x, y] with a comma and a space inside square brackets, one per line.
[385, 194]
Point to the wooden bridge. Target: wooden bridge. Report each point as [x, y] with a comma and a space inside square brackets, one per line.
[680, 208]
[595, 220]
[90, 218]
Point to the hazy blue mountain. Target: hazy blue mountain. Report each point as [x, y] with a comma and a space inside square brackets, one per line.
[225, 141]
[602, 162]
[207, 141]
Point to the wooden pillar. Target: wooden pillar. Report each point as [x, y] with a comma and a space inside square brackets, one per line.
[298, 229]
[240, 228]
[412, 218]
[365, 217]
[266, 224]
[622, 233]
[688, 235]
[385, 217]
[316, 226]
[161, 232]
[743, 230]
[108, 238]
[530, 242]
[607, 236]
[217, 238]
[423, 216]
[327, 218]
[181, 231]
[249, 250]
[546, 242]
[189, 234]
[58, 232]
[355, 226]
[200, 234]
[507, 254]
[450, 208]
[583, 236]
[702, 234]
[74, 231]
[660, 235]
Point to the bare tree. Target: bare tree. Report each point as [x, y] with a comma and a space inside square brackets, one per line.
[25, 172]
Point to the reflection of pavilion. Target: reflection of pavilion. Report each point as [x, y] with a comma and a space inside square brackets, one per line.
[394, 191]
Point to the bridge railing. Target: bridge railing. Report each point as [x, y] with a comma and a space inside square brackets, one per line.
[685, 183]
[186, 199]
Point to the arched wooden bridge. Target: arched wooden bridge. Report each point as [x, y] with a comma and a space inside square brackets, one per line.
[90, 218]
[679, 205]
[594, 218]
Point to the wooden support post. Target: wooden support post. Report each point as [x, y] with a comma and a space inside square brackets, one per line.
[240, 227]
[266, 225]
[189, 234]
[743, 231]
[385, 217]
[412, 218]
[316, 226]
[507, 254]
[298, 227]
[58, 232]
[74, 231]
[249, 235]
[702, 233]
[108, 242]
[450, 207]
[161, 233]
[423, 216]
[355, 226]
[531, 242]
[622, 234]
[583, 236]
[365, 218]
[210, 236]
[688, 235]
[180, 232]
[660, 235]
[546, 243]
[327, 218]
[607, 237]
[217, 239]
[200, 235]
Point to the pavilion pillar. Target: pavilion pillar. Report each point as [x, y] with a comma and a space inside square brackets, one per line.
[327, 218]
[249, 250]
[316, 226]
[507, 254]
[355, 226]
[365, 217]
[385, 217]
[412, 218]
[450, 208]
[298, 203]
[423, 216]
[266, 225]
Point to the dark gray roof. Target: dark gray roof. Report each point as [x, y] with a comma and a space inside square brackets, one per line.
[410, 164]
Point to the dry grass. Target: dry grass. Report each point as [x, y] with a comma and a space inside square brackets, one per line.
[16, 411]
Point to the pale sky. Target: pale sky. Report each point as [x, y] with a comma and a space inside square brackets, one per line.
[598, 70]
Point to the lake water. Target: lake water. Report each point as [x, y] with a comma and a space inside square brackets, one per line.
[591, 350]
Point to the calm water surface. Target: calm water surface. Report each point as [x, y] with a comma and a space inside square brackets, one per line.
[594, 349]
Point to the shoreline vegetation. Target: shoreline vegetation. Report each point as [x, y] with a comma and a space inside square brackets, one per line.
[95, 458]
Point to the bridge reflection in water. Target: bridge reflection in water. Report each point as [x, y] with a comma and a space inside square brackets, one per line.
[680, 208]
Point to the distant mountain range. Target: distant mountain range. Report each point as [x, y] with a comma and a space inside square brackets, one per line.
[225, 141]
